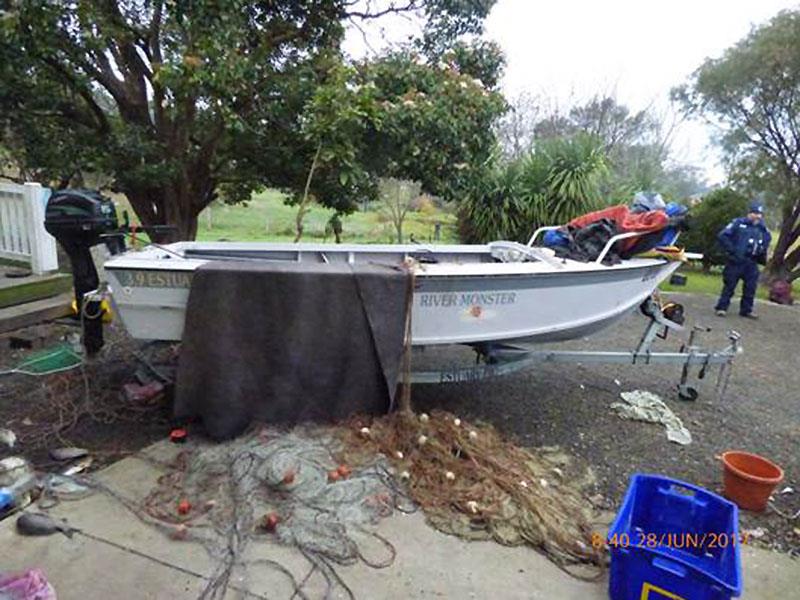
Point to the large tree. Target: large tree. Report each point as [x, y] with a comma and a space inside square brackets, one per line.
[753, 92]
[180, 102]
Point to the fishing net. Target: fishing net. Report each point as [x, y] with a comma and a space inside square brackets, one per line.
[322, 491]
[283, 486]
[472, 483]
[48, 361]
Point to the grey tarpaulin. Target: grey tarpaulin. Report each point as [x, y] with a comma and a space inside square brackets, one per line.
[290, 342]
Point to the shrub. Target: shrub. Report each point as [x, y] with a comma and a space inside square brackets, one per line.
[424, 204]
[714, 212]
[555, 183]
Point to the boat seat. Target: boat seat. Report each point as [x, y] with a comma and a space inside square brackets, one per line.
[511, 252]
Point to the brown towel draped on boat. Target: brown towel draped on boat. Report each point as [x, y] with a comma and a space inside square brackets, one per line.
[290, 342]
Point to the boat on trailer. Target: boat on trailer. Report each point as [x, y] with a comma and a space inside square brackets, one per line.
[502, 298]
[502, 292]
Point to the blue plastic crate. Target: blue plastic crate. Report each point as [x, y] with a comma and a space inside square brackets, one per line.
[674, 541]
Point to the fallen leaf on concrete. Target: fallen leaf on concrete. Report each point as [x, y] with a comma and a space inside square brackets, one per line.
[756, 533]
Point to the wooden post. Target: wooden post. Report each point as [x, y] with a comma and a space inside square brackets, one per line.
[44, 256]
[405, 393]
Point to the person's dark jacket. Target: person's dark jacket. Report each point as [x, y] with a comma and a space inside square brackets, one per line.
[745, 241]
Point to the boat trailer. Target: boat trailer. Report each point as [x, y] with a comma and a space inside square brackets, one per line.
[496, 359]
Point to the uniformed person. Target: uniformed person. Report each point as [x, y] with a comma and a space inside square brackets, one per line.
[746, 241]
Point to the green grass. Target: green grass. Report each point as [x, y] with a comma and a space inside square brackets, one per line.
[267, 218]
[698, 282]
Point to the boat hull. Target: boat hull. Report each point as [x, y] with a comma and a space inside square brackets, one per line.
[453, 304]
[529, 309]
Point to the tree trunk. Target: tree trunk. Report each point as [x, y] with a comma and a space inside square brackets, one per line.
[299, 226]
[304, 208]
[782, 264]
[188, 229]
[784, 258]
[169, 211]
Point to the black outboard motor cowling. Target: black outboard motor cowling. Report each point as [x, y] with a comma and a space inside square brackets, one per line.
[80, 214]
[80, 219]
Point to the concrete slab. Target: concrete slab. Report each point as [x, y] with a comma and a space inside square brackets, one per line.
[124, 557]
[84, 568]
[769, 575]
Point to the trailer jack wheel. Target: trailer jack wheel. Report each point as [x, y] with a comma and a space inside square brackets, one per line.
[687, 392]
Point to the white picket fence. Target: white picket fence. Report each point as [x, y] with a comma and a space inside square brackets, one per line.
[22, 233]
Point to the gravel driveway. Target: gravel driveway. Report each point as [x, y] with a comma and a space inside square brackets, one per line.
[568, 405]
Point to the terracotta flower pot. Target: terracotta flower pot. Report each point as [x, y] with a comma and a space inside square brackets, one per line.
[749, 479]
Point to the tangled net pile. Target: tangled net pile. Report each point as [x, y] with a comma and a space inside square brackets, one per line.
[236, 488]
[289, 487]
[91, 392]
[472, 483]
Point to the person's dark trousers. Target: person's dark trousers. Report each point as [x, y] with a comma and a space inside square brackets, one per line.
[747, 271]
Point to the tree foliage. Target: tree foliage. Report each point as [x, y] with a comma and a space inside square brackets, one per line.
[637, 143]
[714, 212]
[557, 181]
[757, 176]
[515, 130]
[602, 117]
[181, 102]
[753, 91]
[404, 116]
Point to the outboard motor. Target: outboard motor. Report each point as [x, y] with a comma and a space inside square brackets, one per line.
[80, 219]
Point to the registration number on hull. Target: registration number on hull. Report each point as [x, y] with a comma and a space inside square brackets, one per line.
[154, 279]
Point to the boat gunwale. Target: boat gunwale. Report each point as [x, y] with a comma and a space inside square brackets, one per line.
[422, 273]
[164, 261]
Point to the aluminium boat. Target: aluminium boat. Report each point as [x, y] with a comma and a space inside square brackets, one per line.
[502, 292]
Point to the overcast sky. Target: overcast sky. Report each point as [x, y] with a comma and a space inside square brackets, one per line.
[638, 49]
[569, 50]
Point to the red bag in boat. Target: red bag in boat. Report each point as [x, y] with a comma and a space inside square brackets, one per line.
[626, 221]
